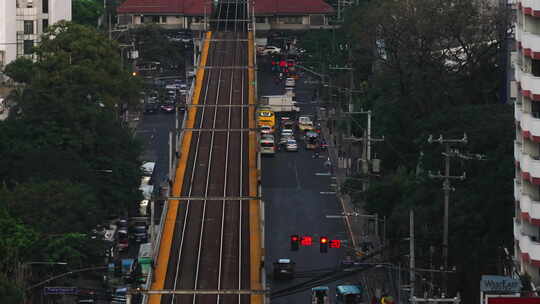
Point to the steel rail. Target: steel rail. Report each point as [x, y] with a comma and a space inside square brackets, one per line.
[210, 158]
[241, 188]
[223, 205]
[187, 213]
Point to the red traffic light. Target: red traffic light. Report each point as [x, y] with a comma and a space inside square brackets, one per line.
[295, 242]
[323, 245]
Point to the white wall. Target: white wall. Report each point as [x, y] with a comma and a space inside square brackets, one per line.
[59, 10]
[8, 33]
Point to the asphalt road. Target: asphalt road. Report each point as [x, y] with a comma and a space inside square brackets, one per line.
[294, 203]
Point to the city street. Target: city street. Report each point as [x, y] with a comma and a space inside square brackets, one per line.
[298, 196]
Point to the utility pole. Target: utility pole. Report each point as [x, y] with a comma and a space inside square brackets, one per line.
[449, 152]
[411, 253]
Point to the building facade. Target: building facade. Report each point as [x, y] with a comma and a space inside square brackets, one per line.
[23, 21]
[191, 14]
[526, 96]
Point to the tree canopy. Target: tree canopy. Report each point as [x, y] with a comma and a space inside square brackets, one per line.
[68, 160]
[425, 68]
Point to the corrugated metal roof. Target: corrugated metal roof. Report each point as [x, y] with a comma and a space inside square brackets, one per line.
[197, 7]
[296, 7]
[176, 7]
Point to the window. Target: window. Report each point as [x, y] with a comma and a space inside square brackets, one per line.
[291, 20]
[260, 19]
[28, 47]
[45, 6]
[29, 4]
[45, 24]
[163, 19]
[155, 19]
[316, 19]
[28, 27]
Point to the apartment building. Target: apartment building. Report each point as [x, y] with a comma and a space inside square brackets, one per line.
[23, 21]
[526, 63]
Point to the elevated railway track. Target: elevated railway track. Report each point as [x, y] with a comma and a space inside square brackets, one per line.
[210, 240]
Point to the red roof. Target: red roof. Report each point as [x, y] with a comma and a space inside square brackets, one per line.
[173, 7]
[196, 7]
[293, 7]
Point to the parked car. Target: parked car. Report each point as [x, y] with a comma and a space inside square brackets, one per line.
[139, 232]
[271, 50]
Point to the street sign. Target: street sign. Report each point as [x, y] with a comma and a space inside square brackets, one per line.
[61, 290]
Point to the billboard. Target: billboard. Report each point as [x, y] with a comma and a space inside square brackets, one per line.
[494, 284]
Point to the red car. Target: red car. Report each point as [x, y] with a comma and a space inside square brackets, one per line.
[167, 108]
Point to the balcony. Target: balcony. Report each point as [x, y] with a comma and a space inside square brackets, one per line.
[530, 168]
[530, 126]
[529, 84]
[530, 248]
[517, 189]
[530, 7]
[517, 229]
[530, 209]
[517, 152]
[529, 42]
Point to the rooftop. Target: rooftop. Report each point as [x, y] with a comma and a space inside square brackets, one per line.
[196, 7]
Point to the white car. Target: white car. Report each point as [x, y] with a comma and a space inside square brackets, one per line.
[266, 130]
[287, 132]
[289, 82]
[271, 50]
[291, 145]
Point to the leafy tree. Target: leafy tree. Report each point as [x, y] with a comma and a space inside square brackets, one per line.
[40, 204]
[10, 292]
[16, 241]
[68, 161]
[20, 70]
[434, 70]
[87, 12]
[153, 45]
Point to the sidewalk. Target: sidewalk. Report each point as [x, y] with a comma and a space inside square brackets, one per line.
[362, 231]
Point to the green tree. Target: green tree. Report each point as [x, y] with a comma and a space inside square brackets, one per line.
[21, 70]
[87, 12]
[10, 293]
[153, 45]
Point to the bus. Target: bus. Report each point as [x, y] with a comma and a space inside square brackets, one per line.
[267, 145]
[348, 294]
[266, 117]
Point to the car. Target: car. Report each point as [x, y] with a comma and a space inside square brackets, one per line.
[271, 50]
[284, 269]
[167, 108]
[140, 232]
[267, 136]
[287, 132]
[266, 130]
[151, 107]
[122, 238]
[291, 145]
[290, 82]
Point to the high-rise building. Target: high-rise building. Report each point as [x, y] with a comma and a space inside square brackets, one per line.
[526, 97]
[23, 21]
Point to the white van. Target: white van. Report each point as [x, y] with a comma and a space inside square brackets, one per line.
[267, 145]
